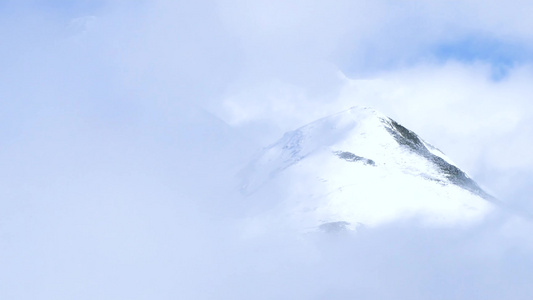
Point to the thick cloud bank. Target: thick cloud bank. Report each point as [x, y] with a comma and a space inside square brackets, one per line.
[122, 126]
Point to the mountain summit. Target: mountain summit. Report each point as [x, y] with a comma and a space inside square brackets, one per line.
[359, 167]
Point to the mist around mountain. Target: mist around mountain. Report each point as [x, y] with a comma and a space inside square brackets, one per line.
[158, 213]
[126, 128]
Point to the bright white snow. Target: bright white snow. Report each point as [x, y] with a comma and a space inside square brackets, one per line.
[349, 168]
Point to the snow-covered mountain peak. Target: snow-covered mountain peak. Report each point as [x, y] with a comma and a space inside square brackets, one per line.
[359, 166]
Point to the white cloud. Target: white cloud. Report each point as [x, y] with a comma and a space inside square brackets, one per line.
[114, 180]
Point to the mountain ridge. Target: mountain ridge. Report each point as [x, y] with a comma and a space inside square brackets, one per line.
[334, 167]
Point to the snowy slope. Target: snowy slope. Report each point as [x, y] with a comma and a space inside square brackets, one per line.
[359, 167]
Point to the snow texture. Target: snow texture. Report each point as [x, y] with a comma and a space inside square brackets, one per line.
[359, 167]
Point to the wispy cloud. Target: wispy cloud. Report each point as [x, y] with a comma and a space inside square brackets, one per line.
[122, 124]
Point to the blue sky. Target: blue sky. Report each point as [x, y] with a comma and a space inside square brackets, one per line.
[122, 125]
[501, 55]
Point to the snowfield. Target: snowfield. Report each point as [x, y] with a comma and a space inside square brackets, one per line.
[361, 168]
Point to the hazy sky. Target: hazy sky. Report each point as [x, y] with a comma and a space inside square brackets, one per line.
[122, 122]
